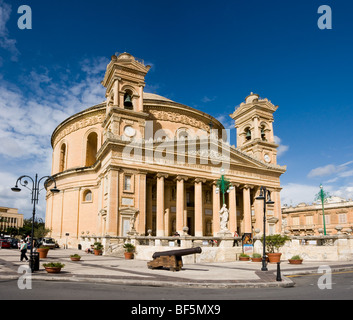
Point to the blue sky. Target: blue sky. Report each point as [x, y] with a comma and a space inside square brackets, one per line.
[206, 54]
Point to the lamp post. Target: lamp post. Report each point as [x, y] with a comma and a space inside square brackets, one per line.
[265, 195]
[23, 180]
[322, 195]
[223, 185]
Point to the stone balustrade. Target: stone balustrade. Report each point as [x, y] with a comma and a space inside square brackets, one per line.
[226, 249]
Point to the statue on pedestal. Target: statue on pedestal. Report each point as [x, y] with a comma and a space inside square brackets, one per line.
[224, 215]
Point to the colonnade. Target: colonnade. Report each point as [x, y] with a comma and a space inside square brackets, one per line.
[167, 208]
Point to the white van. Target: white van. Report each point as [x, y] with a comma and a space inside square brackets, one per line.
[48, 242]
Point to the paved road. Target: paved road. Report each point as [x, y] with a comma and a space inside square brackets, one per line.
[340, 287]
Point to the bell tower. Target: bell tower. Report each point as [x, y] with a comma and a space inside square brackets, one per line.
[253, 121]
[124, 81]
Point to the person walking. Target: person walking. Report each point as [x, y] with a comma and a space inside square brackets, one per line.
[23, 249]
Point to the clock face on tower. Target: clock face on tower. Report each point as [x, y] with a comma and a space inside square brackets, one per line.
[267, 158]
[129, 131]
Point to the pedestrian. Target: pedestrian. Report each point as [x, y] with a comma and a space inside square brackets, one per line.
[23, 249]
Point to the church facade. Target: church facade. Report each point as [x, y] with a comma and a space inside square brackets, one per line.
[143, 163]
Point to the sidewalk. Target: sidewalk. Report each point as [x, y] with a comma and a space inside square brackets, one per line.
[117, 270]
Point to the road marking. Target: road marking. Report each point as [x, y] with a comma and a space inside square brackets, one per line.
[315, 274]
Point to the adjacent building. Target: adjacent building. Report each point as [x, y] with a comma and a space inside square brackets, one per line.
[9, 217]
[308, 219]
[142, 163]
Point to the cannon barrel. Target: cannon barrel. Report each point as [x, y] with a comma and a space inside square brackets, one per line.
[180, 252]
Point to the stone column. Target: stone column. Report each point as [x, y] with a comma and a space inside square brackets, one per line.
[216, 207]
[180, 201]
[276, 197]
[116, 92]
[259, 212]
[141, 223]
[198, 207]
[232, 225]
[113, 202]
[149, 206]
[247, 209]
[160, 204]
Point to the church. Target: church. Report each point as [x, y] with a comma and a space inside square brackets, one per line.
[141, 162]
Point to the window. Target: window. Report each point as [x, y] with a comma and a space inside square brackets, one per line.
[342, 218]
[62, 161]
[309, 220]
[247, 134]
[127, 183]
[128, 100]
[91, 149]
[87, 196]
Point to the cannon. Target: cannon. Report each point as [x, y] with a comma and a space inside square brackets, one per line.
[171, 259]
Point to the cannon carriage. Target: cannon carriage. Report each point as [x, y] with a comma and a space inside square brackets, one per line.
[171, 259]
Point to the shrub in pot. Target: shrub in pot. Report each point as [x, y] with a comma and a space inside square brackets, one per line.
[295, 260]
[43, 251]
[256, 257]
[53, 267]
[129, 250]
[244, 257]
[97, 248]
[273, 243]
[75, 257]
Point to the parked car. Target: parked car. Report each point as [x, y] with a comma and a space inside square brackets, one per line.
[4, 243]
[48, 242]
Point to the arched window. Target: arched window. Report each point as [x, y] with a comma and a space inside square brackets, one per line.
[62, 161]
[91, 149]
[128, 100]
[247, 134]
[87, 196]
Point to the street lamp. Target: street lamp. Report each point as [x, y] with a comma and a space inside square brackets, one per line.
[35, 195]
[322, 195]
[265, 195]
[223, 185]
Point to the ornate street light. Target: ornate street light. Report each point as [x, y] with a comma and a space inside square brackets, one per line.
[322, 195]
[265, 195]
[23, 180]
[223, 185]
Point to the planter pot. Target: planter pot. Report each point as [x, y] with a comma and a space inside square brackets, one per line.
[274, 257]
[256, 259]
[244, 258]
[52, 269]
[75, 259]
[97, 252]
[129, 255]
[42, 252]
[298, 261]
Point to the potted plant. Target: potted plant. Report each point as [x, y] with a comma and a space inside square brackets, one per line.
[75, 257]
[244, 257]
[43, 251]
[273, 243]
[97, 248]
[129, 250]
[295, 260]
[256, 257]
[53, 267]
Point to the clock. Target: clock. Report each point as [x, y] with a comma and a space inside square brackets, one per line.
[267, 158]
[129, 131]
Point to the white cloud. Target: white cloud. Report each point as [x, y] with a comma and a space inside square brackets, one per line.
[341, 171]
[28, 116]
[281, 148]
[295, 193]
[5, 41]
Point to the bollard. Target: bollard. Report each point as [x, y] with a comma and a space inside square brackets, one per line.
[278, 277]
